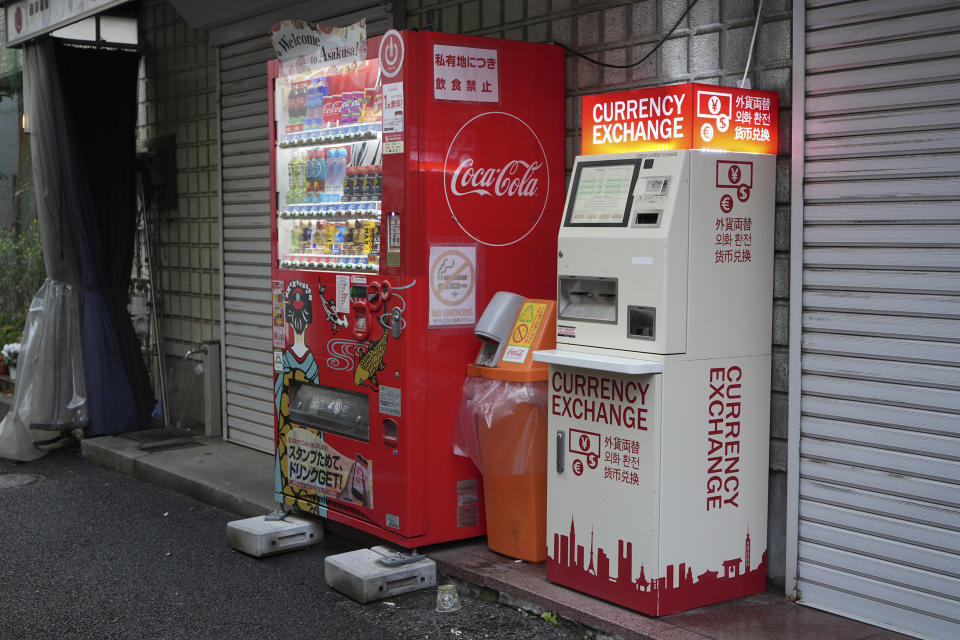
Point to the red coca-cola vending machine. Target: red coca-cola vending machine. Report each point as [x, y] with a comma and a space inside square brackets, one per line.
[407, 189]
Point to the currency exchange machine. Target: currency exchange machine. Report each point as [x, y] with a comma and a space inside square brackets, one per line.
[659, 386]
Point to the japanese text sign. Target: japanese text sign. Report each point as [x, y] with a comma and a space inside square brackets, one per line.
[684, 116]
[465, 73]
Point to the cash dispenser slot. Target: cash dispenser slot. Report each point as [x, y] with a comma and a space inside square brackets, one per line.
[588, 299]
[641, 322]
[345, 413]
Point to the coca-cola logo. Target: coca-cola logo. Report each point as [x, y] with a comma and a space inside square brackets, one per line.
[496, 179]
[516, 178]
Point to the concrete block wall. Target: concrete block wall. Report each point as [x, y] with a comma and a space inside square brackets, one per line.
[710, 45]
[178, 97]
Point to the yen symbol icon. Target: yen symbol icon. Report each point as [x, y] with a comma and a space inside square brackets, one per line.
[714, 105]
[585, 443]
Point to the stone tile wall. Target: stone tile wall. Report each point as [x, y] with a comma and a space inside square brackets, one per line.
[178, 97]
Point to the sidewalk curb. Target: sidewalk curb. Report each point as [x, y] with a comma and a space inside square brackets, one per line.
[528, 590]
[189, 469]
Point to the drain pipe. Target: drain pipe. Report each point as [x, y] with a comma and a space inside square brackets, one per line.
[155, 311]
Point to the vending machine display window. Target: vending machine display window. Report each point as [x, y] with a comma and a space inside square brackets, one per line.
[328, 168]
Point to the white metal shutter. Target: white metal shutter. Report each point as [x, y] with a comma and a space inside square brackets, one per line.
[248, 372]
[245, 163]
[879, 472]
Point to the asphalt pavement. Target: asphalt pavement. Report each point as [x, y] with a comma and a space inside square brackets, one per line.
[86, 552]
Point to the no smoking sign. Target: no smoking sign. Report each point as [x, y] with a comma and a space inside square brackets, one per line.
[453, 279]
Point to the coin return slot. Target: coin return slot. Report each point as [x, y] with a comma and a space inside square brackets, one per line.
[391, 433]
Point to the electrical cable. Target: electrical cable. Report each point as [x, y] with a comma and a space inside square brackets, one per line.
[756, 24]
[641, 60]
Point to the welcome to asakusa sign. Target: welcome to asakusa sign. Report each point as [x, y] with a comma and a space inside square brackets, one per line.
[294, 39]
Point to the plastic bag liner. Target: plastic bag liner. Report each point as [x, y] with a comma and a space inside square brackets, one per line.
[501, 426]
[50, 394]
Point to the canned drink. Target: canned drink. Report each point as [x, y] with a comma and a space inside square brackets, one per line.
[369, 229]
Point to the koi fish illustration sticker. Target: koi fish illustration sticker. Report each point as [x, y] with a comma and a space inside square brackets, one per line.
[371, 362]
[336, 321]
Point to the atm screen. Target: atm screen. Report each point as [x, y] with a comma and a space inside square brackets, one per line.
[602, 193]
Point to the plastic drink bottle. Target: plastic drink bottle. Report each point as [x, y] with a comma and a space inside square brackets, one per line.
[302, 177]
[330, 171]
[312, 175]
[291, 103]
[292, 180]
[321, 172]
[341, 169]
[295, 232]
[322, 92]
[311, 106]
[301, 103]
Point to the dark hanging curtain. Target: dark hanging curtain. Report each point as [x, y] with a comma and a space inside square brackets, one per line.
[99, 89]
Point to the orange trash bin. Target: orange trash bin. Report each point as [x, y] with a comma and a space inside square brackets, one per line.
[503, 427]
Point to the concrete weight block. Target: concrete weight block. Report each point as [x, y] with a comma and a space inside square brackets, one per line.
[359, 575]
[259, 537]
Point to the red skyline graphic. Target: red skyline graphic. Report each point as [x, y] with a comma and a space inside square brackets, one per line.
[659, 596]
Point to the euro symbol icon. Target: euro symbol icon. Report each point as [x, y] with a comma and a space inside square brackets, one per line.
[726, 203]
